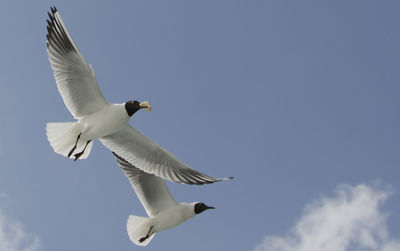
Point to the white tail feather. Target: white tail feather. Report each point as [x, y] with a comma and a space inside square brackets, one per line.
[62, 137]
[138, 227]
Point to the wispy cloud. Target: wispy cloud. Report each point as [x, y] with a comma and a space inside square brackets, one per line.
[14, 238]
[352, 220]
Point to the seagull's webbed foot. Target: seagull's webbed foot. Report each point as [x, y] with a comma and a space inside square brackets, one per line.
[147, 236]
[73, 148]
[80, 154]
[143, 239]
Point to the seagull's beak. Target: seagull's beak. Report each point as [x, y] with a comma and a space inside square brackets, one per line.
[210, 207]
[145, 105]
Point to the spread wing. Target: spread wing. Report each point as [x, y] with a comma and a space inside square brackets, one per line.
[152, 158]
[75, 78]
[150, 189]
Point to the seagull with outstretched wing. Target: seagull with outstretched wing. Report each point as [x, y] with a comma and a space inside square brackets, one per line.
[98, 119]
[163, 211]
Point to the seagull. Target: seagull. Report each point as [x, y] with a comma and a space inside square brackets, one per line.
[163, 211]
[98, 119]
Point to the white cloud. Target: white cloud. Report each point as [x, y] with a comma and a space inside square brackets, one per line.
[14, 238]
[352, 220]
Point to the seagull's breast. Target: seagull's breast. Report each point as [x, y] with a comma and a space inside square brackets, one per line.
[108, 120]
[173, 217]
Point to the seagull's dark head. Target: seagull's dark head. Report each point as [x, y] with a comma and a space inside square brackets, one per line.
[133, 106]
[200, 207]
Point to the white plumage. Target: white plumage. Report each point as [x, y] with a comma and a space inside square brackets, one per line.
[145, 163]
[163, 211]
[98, 119]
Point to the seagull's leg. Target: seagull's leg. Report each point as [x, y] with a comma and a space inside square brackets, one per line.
[147, 235]
[76, 143]
[80, 154]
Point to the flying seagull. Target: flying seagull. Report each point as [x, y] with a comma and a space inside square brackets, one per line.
[163, 211]
[98, 119]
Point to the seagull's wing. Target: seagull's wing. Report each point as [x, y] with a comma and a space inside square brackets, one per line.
[75, 78]
[152, 158]
[150, 189]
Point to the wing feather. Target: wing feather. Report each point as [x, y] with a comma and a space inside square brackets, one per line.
[75, 78]
[151, 158]
[151, 190]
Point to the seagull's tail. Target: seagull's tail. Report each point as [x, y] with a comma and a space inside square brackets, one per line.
[62, 137]
[138, 228]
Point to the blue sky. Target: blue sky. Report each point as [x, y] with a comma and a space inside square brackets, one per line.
[295, 99]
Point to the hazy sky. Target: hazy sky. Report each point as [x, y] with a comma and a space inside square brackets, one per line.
[298, 100]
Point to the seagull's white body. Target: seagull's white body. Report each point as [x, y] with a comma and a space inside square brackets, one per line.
[160, 222]
[98, 119]
[111, 118]
[173, 216]
[163, 211]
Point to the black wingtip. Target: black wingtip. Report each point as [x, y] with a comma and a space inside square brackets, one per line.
[58, 38]
[53, 9]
